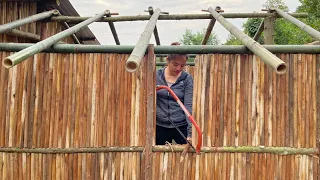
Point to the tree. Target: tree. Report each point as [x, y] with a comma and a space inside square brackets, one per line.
[284, 31]
[232, 40]
[189, 38]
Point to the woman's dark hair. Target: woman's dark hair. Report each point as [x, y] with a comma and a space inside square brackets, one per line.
[173, 56]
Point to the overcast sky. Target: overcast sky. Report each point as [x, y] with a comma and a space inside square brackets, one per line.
[169, 31]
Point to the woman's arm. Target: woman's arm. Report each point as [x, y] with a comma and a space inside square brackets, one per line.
[188, 98]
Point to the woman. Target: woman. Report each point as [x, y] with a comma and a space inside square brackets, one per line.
[168, 109]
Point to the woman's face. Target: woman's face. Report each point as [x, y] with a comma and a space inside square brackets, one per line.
[176, 65]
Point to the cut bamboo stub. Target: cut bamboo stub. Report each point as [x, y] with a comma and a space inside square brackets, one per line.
[24, 54]
[139, 50]
[277, 64]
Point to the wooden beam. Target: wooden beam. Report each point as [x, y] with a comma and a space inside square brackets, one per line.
[208, 32]
[259, 32]
[150, 81]
[269, 30]
[113, 31]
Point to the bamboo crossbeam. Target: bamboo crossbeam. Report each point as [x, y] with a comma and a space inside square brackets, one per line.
[73, 36]
[196, 49]
[20, 22]
[140, 48]
[22, 55]
[163, 49]
[172, 148]
[260, 30]
[164, 63]
[113, 31]
[270, 59]
[76, 19]
[306, 28]
[22, 34]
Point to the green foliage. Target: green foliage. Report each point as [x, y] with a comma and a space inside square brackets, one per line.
[285, 32]
[276, 3]
[232, 40]
[310, 6]
[190, 38]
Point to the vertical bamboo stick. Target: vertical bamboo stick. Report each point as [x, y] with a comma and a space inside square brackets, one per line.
[298, 99]
[250, 97]
[254, 107]
[266, 105]
[92, 98]
[210, 102]
[66, 96]
[215, 63]
[239, 100]
[226, 117]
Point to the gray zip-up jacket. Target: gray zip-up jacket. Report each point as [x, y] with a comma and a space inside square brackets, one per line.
[167, 105]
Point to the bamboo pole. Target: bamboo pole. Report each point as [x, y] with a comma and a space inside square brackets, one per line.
[140, 48]
[312, 32]
[74, 37]
[76, 19]
[208, 32]
[277, 64]
[260, 30]
[22, 34]
[155, 31]
[172, 148]
[20, 22]
[22, 55]
[188, 49]
[113, 31]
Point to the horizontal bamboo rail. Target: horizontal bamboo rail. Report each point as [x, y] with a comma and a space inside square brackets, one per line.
[172, 148]
[163, 49]
[75, 19]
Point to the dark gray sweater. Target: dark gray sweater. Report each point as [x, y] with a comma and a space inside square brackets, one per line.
[167, 105]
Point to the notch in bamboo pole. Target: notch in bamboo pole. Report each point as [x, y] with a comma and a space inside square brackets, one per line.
[312, 32]
[273, 61]
[22, 55]
[20, 22]
[140, 48]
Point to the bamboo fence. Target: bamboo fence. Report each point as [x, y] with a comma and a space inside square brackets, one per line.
[239, 101]
[83, 116]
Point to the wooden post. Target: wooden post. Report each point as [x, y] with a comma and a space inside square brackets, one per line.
[269, 30]
[150, 80]
[318, 109]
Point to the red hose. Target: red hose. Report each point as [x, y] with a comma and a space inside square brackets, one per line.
[198, 148]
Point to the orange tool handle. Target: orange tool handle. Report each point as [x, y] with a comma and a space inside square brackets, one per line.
[198, 148]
